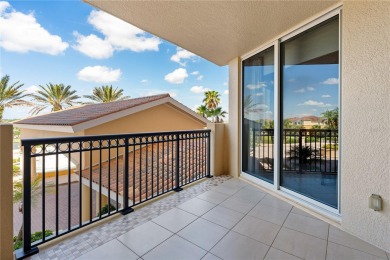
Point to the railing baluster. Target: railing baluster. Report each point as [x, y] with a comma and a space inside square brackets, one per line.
[69, 189]
[100, 180]
[126, 208]
[109, 177]
[177, 169]
[117, 175]
[57, 190]
[80, 184]
[43, 193]
[90, 180]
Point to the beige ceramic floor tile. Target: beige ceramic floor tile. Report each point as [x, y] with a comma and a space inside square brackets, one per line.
[111, 250]
[300, 245]
[342, 238]
[275, 254]
[260, 230]
[336, 252]
[235, 246]
[269, 213]
[310, 226]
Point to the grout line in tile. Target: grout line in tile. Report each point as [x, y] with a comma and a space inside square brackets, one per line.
[327, 243]
[281, 226]
[361, 250]
[128, 247]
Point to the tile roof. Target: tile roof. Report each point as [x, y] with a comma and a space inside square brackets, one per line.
[147, 177]
[77, 115]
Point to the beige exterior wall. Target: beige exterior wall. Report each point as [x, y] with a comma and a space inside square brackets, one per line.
[365, 119]
[160, 118]
[233, 129]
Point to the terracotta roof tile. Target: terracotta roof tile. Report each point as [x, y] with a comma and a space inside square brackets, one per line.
[77, 115]
[149, 178]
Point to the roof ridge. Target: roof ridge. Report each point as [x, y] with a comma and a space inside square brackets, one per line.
[87, 112]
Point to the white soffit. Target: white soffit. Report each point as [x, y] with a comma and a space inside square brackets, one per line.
[218, 31]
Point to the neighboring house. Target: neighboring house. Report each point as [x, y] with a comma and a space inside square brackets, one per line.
[340, 46]
[146, 114]
[307, 122]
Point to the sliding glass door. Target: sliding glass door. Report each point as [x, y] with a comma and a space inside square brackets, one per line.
[307, 68]
[310, 76]
[258, 114]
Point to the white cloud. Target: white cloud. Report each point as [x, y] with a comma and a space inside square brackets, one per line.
[93, 46]
[259, 108]
[301, 90]
[182, 54]
[31, 89]
[194, 73]
[22, 33]
[256, 86]
[314, 103]
[99, 74]
[200, 77]
[199, 89]
[259, 94]
[310, 88]
[117, 36]
[225, 83]
[226, 92]
[152, 92]
[177, 76]
[326, 96]
[144, 81]
[331, 81]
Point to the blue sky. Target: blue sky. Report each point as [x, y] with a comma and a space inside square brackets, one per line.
[71, 42]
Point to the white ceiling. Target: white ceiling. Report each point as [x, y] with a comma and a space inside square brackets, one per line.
[215, 30]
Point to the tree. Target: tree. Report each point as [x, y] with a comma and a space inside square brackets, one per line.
[217, 115]
[331, 118]
[18, 196]
[202, 110]
[11, 95]
[106, 94]
[287, 124]
[212, 99]
[56, 96]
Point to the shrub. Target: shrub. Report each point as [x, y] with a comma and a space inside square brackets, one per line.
[331, 146]
[105, 210]
[305, 154]
[34, 237]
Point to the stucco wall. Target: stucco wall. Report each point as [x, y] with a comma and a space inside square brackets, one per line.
[156, 119]
[365, 165]
[233, 129]
[365, 119]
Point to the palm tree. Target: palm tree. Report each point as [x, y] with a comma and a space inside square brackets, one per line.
[36, 185]
[105, 94]
[11, 96]
[202, 110]
[331, 118]
[212, 99]
[56, 96]
[218, 114]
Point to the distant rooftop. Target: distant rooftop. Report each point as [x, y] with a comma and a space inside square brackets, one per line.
[76, 115]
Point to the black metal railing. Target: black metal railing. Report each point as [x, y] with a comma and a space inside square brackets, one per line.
[113, 174]
[303, 150]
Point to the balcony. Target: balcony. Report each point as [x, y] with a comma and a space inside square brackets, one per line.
[216, 218]
[206, 218]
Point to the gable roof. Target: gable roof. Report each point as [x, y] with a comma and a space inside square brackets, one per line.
[83, 117]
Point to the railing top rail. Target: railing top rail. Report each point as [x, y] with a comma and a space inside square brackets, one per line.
[39, 141]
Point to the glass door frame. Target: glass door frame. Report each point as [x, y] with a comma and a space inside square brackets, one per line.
[299, 198]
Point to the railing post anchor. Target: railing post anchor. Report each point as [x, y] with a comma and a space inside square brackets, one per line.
[178, 189]
[127, 211]
[21, 254]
